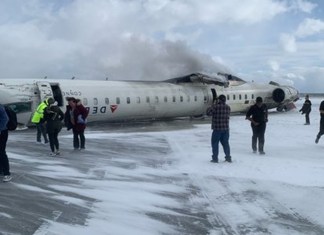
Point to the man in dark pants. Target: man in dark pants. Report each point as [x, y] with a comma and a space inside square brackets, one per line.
[306, 109]
[4, 162]
[220, 113]
[258, 115]
[321, 131]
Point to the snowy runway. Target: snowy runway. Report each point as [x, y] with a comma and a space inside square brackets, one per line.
[156, 178]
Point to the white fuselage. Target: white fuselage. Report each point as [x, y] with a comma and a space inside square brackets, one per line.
[133, 100]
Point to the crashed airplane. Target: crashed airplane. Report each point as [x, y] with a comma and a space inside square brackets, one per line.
[186, 96]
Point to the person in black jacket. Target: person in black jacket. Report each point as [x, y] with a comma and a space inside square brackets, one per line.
[306, 109]
[258, 115]
[4, 162]
[53, 117]
[321, 130]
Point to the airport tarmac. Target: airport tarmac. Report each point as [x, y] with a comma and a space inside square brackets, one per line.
[29, 200]
[135, 171]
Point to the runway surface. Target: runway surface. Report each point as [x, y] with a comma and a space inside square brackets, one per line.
[138, 178]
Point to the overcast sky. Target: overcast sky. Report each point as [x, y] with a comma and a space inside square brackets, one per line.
[258, 40]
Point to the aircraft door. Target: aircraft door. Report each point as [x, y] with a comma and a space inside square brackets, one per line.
[214, 93]
[45, 90]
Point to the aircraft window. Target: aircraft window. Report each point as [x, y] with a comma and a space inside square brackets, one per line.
[245, 96]
[85, 101]
[128, 100]
[147, 99]
[173, 99]
[21, 107]
[181, 98]
[156, 99]
[240, 96]
[205, 99]
[196, 98]
[106, 101]
[95, 101]
[138, 100]
[228, 97]
[234, 97]
[252, 96]
[117, 100]
[165, 99]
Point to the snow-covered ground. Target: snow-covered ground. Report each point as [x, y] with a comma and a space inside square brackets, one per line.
[157, 179]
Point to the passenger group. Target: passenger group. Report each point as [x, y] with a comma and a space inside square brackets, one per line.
[257, 114]
[48, 118]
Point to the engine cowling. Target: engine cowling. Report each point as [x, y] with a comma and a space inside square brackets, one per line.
[278, 95]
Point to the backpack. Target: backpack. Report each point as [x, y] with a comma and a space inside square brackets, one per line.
[12, 122]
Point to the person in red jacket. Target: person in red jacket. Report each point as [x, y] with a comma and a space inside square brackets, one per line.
[76, 119]
[78, 115]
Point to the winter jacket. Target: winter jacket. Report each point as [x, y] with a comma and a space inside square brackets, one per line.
[307, 107]
[79, 118]
[259, 114]
[3, 119]
[53, 116]
[220, 113]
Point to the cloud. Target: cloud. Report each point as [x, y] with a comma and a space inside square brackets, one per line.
[288, 43]
[147, 39]
[304, 6]
[275, 66]
[309, 27]
[189, 12]
[309, 79]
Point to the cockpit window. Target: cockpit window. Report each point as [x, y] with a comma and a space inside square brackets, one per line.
[21, 107]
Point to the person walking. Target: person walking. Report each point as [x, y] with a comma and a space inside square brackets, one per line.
[220, 113]
[306, 109]
[4, 161]
[80, 121]
[258, 115]
[77, 114]
[53, 118]
[37, 119]
[321, 130]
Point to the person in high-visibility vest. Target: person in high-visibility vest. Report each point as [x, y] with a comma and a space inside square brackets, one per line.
[38, 119]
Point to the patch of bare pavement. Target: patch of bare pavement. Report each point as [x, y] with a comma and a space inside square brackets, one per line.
[32, 200]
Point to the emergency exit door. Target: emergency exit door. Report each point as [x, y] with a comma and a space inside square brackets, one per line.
[214, 95]
[45, 90]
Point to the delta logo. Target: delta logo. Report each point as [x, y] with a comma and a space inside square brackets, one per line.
[113, 107]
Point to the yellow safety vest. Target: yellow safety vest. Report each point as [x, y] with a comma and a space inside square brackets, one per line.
[39, 113]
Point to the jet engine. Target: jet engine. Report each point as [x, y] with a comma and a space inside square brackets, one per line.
[284, 96]
[279, 95]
